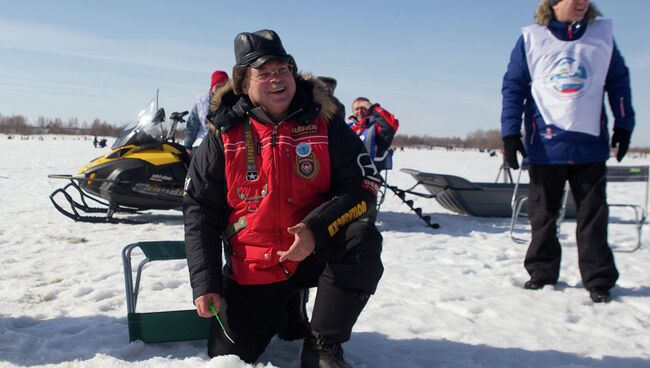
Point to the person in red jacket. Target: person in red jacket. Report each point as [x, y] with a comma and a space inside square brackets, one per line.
[288, 192]
[376, 127]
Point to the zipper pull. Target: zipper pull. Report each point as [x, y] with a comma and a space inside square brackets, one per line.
[284, 270]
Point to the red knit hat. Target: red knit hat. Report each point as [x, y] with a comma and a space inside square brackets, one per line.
[218, 77]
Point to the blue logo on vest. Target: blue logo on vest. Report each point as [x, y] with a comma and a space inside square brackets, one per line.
[567, 78]
[303, 149]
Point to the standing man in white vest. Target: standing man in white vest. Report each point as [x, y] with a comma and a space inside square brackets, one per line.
[557, 77]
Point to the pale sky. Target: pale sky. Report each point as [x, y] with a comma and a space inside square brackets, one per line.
[437, 65]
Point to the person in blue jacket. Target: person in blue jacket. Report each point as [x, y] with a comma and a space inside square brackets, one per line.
[197, 123]
[559, 71]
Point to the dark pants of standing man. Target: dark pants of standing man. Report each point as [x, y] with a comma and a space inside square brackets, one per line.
[346, 272]
[588, 185]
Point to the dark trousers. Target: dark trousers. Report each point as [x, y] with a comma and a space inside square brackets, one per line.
[588, 185]
[347, 269]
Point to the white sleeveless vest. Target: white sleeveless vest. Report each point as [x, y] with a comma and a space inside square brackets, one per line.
[202, 107]
[568, 77]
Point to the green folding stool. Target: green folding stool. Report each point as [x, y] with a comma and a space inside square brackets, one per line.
[166, 326]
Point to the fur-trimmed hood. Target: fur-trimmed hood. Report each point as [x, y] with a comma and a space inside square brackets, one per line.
[311, 100]
[544, 13]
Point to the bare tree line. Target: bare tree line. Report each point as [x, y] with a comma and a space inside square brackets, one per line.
[18, 125]
[478, 139]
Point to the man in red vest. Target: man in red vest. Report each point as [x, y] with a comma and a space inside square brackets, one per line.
[288, 192]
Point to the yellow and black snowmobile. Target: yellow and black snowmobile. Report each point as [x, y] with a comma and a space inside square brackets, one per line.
[145, 170]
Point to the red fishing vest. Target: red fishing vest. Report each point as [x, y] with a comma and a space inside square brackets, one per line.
[275, 176]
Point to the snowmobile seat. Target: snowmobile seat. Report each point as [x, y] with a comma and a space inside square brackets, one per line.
[185, 157]
[164, 326]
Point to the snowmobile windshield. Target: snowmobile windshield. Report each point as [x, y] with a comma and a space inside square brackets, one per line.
[142, 130]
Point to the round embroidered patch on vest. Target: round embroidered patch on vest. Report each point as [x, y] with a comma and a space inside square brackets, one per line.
[306, 167]
[303, 149]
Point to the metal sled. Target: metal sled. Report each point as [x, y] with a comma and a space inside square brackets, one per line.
[155, 327]
[475, 199]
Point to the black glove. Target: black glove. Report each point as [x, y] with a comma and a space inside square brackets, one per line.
[372, 110]
[511, 145]
[621, 138]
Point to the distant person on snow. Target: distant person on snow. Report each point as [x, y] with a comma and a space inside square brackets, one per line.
[559, 70]
[330, 84]
[197, 123]
[376, 127]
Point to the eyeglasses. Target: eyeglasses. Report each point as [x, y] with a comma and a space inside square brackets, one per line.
[266, 76]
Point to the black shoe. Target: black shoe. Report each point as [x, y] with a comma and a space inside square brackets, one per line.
[316, 353]
[600, 295]
[533, 284]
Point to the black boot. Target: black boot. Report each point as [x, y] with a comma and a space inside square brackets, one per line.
[335, 312]
[318, 353]
[298, 324]
[600, 295]
[533, 284]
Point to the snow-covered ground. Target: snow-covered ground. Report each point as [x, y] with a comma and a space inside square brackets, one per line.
[450, 297]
